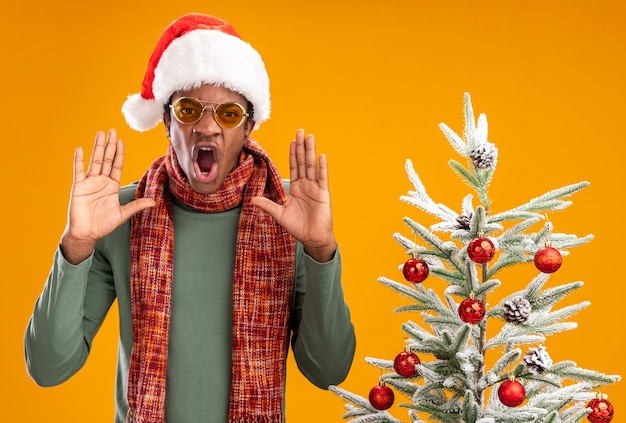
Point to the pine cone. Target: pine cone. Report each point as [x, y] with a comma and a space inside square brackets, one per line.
[463, 222]
[485, 156]
[517, 310]
[537, 360]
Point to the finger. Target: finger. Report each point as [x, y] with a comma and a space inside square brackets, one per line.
[310, 157]
[323, 172]
[293, 162]
[129, 210]
[79, 165]
[273, 209]
[118, 162]
[110, 151]
[95, 163]
[300, 154]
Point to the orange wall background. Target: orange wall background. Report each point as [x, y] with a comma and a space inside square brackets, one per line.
[372, 80]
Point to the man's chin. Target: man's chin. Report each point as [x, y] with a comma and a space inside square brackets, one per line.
[204, 188]
[205, 182]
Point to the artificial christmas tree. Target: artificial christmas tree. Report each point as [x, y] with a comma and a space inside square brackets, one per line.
[465, 374]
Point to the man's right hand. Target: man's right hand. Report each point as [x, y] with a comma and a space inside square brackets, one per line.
[95, 209]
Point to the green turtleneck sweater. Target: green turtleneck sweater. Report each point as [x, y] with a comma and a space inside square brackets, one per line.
[76, 299]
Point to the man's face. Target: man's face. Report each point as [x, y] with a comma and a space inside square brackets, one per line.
[206, 152]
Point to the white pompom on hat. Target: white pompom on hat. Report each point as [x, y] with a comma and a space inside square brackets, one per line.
[193, 50]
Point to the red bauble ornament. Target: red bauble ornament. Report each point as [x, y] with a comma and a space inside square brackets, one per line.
[381, 397]
[471, 310]
[481, 250]
[415, 270]
[511, 393]
[404, 363]
[602, 411]
[548, 259]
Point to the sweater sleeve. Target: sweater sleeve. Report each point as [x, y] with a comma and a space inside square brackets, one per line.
[66, 317]
[323, 340]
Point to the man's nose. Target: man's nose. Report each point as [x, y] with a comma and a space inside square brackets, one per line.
[207, 123]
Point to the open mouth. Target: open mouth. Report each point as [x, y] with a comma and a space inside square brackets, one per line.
[205, 160]
[205, 165]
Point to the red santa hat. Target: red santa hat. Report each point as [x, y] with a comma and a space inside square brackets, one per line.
[193, 50]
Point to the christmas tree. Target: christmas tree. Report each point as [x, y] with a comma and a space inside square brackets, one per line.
[475, 376]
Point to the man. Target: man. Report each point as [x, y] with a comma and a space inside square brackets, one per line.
[216, 269]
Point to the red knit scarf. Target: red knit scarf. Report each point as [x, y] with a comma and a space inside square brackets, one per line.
[262, 288]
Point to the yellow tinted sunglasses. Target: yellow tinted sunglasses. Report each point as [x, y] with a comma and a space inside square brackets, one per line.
[188, 110]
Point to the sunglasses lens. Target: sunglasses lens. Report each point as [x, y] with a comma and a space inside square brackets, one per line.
[187, 110]
[229, 115]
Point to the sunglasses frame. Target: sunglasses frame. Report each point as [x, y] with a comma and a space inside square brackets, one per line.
[207, 105]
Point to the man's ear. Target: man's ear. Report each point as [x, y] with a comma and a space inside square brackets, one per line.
[167, 120]
[249, 127]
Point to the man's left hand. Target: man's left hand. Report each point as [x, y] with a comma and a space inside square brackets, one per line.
[307, 213]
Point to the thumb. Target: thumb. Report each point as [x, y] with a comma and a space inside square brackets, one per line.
[136, 206]
[273, 209]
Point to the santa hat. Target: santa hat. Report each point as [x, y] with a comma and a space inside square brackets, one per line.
[193, 50]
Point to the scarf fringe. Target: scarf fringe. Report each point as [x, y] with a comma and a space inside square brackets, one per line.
[132, 417]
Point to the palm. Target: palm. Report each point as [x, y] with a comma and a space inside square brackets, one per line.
[95, 207]
[307, 213]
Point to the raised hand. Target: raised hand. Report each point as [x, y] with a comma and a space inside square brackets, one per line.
[307, 214]
[94, 209]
